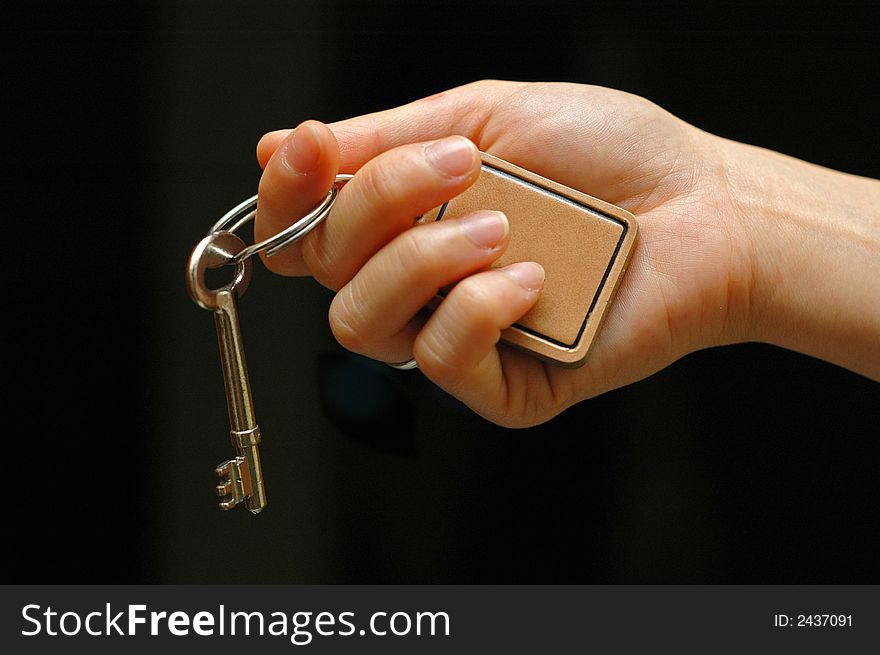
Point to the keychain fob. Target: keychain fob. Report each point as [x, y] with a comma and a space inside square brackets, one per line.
[583, 243]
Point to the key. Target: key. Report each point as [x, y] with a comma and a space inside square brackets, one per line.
[240, 478]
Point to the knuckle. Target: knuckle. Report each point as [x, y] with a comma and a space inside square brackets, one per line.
[318, 261]
[345, 323]
[433, 353]
[471, 302]
[379, 181]
[411, 254]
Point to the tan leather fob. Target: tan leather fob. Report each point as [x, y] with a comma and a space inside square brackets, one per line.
[583, 243]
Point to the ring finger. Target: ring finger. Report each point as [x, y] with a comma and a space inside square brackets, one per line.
[373, 313]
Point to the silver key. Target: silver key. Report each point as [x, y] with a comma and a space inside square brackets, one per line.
[241, 478]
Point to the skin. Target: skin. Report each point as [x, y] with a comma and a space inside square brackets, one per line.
[736, 243]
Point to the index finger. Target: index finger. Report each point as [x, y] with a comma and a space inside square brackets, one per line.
[295, 178]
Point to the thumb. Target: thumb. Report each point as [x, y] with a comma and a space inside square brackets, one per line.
[296, 177]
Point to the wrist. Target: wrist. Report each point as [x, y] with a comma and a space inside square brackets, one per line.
[814, 240]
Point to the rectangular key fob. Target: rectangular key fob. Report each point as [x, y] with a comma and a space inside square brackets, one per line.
[583, 243]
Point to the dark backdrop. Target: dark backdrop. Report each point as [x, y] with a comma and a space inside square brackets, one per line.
[131, 127]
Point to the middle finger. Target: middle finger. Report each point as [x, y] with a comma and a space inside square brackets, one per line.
[383, 199]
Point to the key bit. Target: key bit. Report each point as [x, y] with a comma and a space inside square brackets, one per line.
[235, 483]
[241, 479]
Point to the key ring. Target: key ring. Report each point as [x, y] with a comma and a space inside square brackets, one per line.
[245, 211]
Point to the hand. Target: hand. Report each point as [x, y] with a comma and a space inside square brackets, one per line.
[693, 281]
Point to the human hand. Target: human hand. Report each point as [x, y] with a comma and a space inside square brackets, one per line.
[692, 281]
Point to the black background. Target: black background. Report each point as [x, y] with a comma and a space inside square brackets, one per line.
[131, 127]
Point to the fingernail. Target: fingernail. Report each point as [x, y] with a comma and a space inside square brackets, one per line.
[453, 156]
[529, 275]
[486, 228]
[304, 149]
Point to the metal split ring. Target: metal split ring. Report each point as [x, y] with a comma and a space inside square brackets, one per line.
[245, 211]
[404, 366]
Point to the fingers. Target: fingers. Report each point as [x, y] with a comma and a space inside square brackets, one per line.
[456, 348]
[463, 110]
[373, 314]
[383, 200]
[297, 176]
